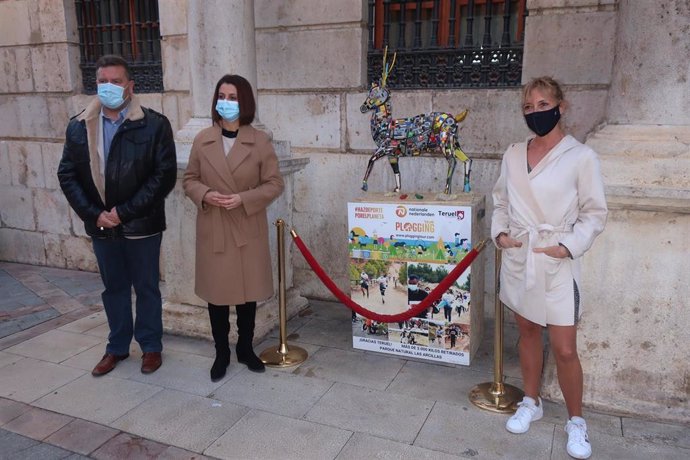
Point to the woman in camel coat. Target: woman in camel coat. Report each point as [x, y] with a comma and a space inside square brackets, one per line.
[232, 177]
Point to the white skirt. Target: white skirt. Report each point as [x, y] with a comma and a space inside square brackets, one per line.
[555, 298]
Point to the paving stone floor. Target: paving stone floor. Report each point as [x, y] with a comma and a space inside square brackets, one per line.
[339, 404]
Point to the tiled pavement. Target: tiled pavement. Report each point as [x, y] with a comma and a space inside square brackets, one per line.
[339, 404]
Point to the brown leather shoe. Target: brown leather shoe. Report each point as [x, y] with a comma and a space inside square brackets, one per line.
[151, 361]
[107, 364]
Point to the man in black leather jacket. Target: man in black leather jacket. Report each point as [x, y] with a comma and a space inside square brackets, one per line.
[117, 167]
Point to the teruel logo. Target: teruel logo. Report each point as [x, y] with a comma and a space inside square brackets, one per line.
[459, 214]
[401, 211]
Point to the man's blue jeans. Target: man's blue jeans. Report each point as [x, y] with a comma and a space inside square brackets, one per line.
[124, 263]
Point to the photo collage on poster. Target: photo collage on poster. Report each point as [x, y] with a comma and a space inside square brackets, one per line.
[398, 254]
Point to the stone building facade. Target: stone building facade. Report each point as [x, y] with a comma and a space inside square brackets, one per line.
[624, 67]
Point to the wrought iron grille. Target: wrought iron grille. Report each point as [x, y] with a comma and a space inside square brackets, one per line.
[448, 43]
[129, 28]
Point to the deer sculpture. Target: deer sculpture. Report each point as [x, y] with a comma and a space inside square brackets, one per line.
[397, 137]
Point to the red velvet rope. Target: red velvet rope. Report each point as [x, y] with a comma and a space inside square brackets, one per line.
[434, 295]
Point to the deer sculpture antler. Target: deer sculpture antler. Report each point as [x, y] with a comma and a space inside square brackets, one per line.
[386, 69]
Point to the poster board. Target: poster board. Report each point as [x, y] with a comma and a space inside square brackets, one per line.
[396, 244]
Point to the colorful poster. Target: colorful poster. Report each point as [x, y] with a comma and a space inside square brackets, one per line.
[398, 254]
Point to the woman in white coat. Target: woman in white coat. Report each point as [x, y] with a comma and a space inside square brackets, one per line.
[549, 206]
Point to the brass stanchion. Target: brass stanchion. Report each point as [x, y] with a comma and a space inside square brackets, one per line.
[497, 396]
[282, 356]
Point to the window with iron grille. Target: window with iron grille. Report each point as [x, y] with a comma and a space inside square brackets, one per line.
[129, 28]
[448, 43]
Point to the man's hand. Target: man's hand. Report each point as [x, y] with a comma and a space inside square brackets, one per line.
[104, 221]
[114, 217]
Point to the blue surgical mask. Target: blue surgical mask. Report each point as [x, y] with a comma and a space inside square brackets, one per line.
[412, 287]
[229, 110]
[111, 95]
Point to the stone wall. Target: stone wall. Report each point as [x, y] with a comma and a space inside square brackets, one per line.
[573, 41]
[312, 78]
[40, 74]
[311, 82]
[650, 85]
[623, 62]
[40, 89]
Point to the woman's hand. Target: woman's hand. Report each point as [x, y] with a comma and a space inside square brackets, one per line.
[214, 198]
[557, 252]
[233, 201]
[222, 201]
[506, 242]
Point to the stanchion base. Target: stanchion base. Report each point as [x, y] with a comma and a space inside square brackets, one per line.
[486, 397]
[272, 357]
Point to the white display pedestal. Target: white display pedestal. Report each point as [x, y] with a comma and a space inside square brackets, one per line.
[395, 239]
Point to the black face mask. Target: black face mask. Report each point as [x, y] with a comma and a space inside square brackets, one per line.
[542, 123]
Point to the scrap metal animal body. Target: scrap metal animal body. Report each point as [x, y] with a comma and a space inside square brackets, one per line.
[435, 131]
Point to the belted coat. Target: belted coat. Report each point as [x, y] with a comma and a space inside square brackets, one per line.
[233, 261]
[561, 201]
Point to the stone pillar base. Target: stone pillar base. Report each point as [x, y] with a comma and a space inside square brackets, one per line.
[192, 320]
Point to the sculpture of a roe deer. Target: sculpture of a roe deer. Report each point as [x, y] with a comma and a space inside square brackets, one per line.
[397, 137]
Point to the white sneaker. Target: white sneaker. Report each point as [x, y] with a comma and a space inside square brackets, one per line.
[578, 443]
[528, 412]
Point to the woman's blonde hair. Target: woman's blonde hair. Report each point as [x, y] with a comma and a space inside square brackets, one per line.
[546, 84]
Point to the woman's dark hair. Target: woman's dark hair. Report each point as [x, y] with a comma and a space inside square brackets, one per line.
[245, 98]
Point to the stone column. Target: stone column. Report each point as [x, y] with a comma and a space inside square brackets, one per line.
[220, 36]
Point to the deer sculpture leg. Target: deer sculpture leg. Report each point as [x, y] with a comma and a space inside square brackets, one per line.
[466, 162]
[467, 166]
[452, 162]
[380, 153]
[393, 160]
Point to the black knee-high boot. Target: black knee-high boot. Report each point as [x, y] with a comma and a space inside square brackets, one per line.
[246, 316]
[220, 328]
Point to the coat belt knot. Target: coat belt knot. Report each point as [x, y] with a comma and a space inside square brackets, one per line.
[535, 233]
